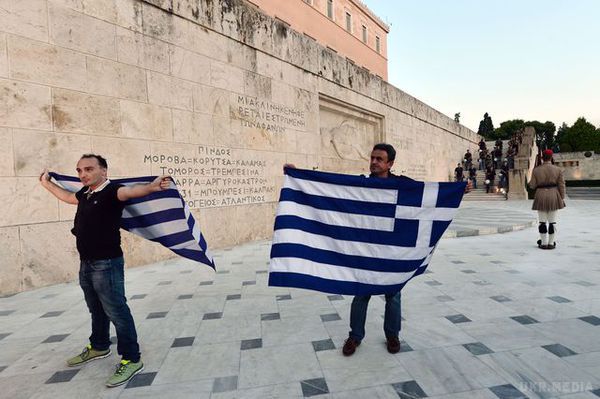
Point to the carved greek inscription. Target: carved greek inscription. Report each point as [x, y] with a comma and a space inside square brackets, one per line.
[265, 115]
[216, 177]
[416, 172]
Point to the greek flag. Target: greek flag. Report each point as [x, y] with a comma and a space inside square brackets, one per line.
[163, 217]
[355, 235]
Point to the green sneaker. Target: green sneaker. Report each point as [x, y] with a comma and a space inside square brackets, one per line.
[87, 355]
[125, 371]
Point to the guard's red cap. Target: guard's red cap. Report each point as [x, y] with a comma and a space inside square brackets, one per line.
[548, 152]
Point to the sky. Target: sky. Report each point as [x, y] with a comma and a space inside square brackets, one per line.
[514, 59]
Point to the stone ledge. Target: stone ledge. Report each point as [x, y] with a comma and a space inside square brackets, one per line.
[241, 21]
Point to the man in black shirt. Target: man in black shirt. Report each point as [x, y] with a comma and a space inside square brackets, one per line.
[468, 157]
[499, 144]
[100, 204]
[490, 175]
[482, 145]
[473, 176]
[503, 183]
[459, 173]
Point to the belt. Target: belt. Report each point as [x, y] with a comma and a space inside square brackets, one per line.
[548, 186]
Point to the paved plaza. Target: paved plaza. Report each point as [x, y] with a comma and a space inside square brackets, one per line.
[495, 317]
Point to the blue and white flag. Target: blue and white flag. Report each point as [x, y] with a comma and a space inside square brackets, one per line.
[355, 235]
[163, 217]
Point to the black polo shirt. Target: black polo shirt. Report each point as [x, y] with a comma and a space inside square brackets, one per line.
[97, 223]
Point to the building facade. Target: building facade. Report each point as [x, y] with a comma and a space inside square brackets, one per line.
[216, 94]
[346, 26]
[584, 165]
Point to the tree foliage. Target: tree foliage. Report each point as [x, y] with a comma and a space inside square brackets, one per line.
[582, 136]
[560, 136]
[486, 127]
[508, 128]
[544, 131]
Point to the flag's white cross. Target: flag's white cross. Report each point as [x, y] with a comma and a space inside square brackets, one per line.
[426, 213]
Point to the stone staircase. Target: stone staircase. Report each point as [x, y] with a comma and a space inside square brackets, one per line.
[518, 176]
[583, 193]
[479, 193]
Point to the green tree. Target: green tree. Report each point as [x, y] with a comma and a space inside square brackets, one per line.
[560, 134]
[508, 128]
[549, 135]
[486, 127]
[582, 136]
[544, 133]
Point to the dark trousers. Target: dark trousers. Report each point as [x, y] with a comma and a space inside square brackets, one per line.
[103, 285]
[392, 318]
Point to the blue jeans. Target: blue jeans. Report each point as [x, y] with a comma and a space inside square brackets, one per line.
[502, 182]
[474, 181]
[392, 319]
[103, 285]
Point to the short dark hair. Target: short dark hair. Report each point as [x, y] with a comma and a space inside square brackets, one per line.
[391, 152]
[101, 160]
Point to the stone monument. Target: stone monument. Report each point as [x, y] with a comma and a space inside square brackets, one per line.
[214, 93]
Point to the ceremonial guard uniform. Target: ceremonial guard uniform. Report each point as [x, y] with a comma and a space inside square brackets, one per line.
[549, 184]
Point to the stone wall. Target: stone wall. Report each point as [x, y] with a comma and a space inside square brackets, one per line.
[578, 166]
[212, 92]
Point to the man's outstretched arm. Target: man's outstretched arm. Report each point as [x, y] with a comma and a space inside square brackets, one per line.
[140, 190]
[58, 192]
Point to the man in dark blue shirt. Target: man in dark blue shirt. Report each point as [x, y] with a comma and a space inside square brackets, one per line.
[382, 160]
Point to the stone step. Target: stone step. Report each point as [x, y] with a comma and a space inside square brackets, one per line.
[584, 189]
[479, 192]
[477, 195]
[482, 193]
[486, 199]
[583, 193]
[481, 179]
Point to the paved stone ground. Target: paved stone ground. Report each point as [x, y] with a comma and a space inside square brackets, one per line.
[494, 318]
[479, 218]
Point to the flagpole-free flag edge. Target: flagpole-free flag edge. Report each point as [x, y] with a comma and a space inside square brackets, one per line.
[295, 280]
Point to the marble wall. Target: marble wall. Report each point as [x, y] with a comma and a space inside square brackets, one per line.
[578, 166]
[212, 92]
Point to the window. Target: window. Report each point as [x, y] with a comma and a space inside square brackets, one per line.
[348, 22]
[377, 44]
[364, 34]
[330, 9]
